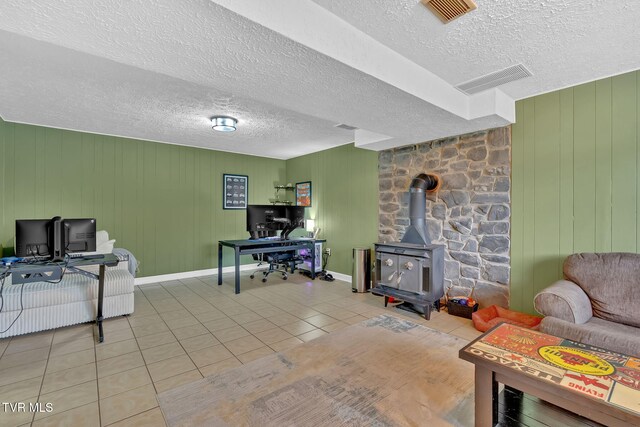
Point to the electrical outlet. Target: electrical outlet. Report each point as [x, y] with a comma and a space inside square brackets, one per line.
[328, 251]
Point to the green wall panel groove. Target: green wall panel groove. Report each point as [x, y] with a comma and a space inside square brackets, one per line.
[575, 182]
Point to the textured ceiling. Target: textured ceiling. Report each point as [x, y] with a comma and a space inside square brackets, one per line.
[158, 69]
[563, 42]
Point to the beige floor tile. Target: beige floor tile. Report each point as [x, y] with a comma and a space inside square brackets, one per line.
[285, 344]
[320, 320]
[162, 352]
[29, 356]
[177, 380]
[210, 355]
[312, 335]
[243, 345]
[20, 390]
[255, 354]
[11, 418]
[220, 324]
[298, 327]
[22, 372]
[199, 342]
[115, 324]
[353, 320]
[118, 335]
[178, 314]
[74, 346]
[466, 332]
[273, 335]
[258, 326]
[210, 315]
[270, 312]
[113, 365]
[341, 314]
[73, 333]
[303, 312]
[155, 340]
[282, 319]
[69, 398]
[127, 404]
[107, 350]
[69, 377]
[151, 418]
[67, 361]
[190, 331]
[86, 416]
[220, 366]
[137, 321]
[4, 343]
[247, 317]
[123, 381]
[334, 326]
[150, 329]
[230, 334]
[181, 323]
[170, 367]
[29, 342]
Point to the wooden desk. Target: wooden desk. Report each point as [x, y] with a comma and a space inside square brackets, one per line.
[262, 246]
[595, 383]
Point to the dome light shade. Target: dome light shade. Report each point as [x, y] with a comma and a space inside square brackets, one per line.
[224, 124]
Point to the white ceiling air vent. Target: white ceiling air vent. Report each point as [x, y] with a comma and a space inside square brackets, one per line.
[448, 10]
[346, 127]
[489, 81]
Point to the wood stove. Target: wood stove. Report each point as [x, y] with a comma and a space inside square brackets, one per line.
[413, 269]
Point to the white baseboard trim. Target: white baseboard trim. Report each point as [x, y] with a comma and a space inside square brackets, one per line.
[190, 274]
[340, 276]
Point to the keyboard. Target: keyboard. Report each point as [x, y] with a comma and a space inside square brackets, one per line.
[84, 256]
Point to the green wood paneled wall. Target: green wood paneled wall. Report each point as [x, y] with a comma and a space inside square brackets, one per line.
[163, 202]
[576, 185]
[345, 198]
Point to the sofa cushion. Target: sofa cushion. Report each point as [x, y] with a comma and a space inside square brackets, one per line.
[596, 332]
[612, 282]
[72, 288]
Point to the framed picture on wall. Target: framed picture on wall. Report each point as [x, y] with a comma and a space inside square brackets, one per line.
[235, 191]
[303, 193]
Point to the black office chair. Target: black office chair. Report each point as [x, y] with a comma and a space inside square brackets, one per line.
[278, 262]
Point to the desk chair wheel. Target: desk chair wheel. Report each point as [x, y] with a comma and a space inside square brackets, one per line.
[264, 280]
[252, 276]
[285, 277]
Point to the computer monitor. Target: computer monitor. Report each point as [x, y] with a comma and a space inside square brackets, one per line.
[32, 237]
[80, 234]
[265, 220]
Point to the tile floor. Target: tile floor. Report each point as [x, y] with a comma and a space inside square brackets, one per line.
[180, 332]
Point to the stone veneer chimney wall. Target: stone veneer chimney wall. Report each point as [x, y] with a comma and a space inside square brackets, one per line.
[471, 212]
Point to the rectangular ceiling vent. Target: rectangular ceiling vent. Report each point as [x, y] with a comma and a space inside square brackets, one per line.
[346, 127]
[448, 10]
[489, 81]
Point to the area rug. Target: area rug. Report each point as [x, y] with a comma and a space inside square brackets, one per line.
[385, 371]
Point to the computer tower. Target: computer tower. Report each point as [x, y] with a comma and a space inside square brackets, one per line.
[57, 242]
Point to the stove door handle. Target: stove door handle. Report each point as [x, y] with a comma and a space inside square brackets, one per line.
[399, 278]
[391, 276]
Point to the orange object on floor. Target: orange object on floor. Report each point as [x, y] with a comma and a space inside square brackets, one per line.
[488, 317]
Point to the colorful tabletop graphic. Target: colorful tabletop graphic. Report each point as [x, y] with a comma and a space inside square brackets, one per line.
[599, 373]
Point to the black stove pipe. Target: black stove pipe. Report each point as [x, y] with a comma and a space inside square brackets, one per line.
[417, 232]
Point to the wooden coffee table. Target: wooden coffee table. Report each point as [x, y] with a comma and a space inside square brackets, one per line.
[595, 383]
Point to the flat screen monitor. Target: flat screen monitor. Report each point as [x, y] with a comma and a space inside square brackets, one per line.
[265, 220]
[80, 234]
[32, 237]
[295, 214]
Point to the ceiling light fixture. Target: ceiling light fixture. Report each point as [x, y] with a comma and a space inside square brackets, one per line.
[224, 124]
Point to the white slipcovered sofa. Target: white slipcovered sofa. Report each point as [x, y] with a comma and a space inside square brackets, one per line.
[40, 306]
